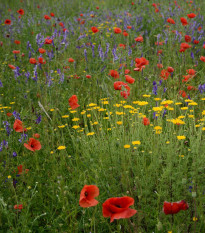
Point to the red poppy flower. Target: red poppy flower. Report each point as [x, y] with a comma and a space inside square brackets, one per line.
[9, 114]
[52, 14]
[82, 22]
[117, 31]
[184, 46]
[196, 41]
[33, 145]
[127, 71]
[118, 86]
[17, 42]
[7, 21]
[20, 169]
[47, 17]
[184, 21]
[20, 207]
[129, 27]
[187, 38]
[87, 195]
[71, 60]
[186, 78]
[170, 69]
[160, 66]
[139, 39]
[129, 79]
[94, 29]
[199, 29]
[202, 58]
[191, 15]
[164, 74]
[41, 50]
[73, 102]
[171, 21]
[61, 24]
[191, 88]
[21, 11]
[48, 41]
[88, 76]
[145, 121]
[140, 63]
[118, 207]
[12, 67]
[32, 61]
[125, 34]
[114, 74]
[122, 46]
[174, 207]
[18, 126]
[191, 71]
[41, 60]
[16, 51]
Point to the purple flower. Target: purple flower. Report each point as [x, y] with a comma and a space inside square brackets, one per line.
[38, 120]
[14, 154]
[1, 84]
[7, 127]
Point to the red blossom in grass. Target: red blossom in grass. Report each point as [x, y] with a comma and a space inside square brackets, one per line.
[12, 67]
[47, 17]
[118, 207]
[18, 126]
[117, 31]
[125, 33]
[61, 24]
[170, 69]
[119, 85]
[87, 196]
[145, 121]
[191, 15]
[41, 50]
[48, 41]
[17, 42]
[9, 114]
[18, 207]
[196, 41]
[184, 21]
[184, 46]
[164, 74]
[33, 145]
[186, 78]
[32, 61]
[129, 79]
[202, 58]
[139, 39]
[187, 38]
[88, 76]
[20, 11]
[170, 20]
[160, 66]
[52, 14]
[94, 29]
[20, 169]
[129, 27]
[71, 60]
[16, 51]
[41, 60]
[174, 207]
[73, 102]
[114, 74]
[36, 135]
[122, 46]
[127, 71]
[191, 71]
[140, 63]
[7, 21]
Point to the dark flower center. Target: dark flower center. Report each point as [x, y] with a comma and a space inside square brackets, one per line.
[32, 145]
[118, 206]
[86, 194]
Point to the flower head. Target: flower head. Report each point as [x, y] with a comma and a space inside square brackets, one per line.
[87, 195]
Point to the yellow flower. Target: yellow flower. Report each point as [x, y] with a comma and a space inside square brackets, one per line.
[89, 115]
[167, 142]
[52, 109]
[61, 126]
[157, 99]
[203, 128]
[9, 177]
[65, 116]
[61, 148]
[90, 134]
[181, 137]
[120, 113]
[182, 156]
[136, 143]
[119, 122]
[51, 152]
[126, 146]
[146, 96]
[195, 219]
[178, 103]
[76, 127]
[142, 103]
[184, 108]
[75, 119]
